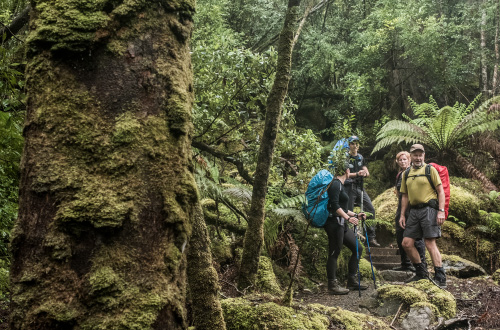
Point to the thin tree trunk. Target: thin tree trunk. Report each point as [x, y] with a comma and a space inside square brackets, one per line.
[472, 172]
[202, 278]
[254, 235]
[107, 190]
[497, 51]
[484, 66]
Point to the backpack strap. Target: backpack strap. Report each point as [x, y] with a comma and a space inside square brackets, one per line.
[428, 175]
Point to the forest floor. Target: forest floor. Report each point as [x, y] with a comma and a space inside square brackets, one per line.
[478, 301]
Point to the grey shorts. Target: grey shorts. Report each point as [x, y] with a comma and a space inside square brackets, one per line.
[421, 223]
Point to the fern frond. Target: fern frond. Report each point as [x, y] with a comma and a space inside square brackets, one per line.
[294, 201]
[242, 193]
[289, 212]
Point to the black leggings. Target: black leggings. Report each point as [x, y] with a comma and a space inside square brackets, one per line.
[337, 236]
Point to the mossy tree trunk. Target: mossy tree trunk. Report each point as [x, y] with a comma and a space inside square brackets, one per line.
[107, 191]
[470, 171]
[202, 278]
[254, 235]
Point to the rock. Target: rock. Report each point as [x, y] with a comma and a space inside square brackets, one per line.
[496, 276]
[395, 276]
[419, 318]
[460, 267]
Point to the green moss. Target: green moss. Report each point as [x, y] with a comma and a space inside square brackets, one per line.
[421, 293]
[266, 280]
[59, 244]
[463, 205]
[58, 310]
[385, 206]
[243, 314]
[496, 276]
[442, 299]
[406, 294]
[377, 182]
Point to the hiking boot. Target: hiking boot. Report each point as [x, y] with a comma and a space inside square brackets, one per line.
[405, 268]
[334, 288]
[440, 277]
[420, 273]
[352, 283]
[373, 242]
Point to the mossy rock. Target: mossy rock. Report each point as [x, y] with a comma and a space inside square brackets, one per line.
[496, 276]
[464, 205]
[418, 293]
[386, 205]
[460, 267]
[377, 183]
[253, 314]
[257, 312]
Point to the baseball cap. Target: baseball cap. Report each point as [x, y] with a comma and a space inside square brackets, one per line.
[416, 147]
[353, 138]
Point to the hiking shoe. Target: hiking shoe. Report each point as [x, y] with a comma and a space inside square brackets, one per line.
[409, 268]
[334, 288]
[373, 242]
[440, 277]
[420, 273]
[353, 284]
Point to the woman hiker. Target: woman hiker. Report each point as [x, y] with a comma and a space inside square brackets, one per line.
[340, 234]
[403, 161]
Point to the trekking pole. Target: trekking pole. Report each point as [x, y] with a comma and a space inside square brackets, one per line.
[369, 253]
[357, 257]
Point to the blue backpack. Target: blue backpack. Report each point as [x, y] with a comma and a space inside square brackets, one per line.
[315, 208]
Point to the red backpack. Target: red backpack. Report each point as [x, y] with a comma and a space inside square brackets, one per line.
[445, 181]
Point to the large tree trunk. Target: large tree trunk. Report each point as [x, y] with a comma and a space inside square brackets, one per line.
[254, 235]
[203, 279]
[107, 190]
[472, 172]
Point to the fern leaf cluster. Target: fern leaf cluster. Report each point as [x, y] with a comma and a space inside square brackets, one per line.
[440, 128]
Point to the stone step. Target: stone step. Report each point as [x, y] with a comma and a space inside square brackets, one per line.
[390, 259]
[385, 265]
[383, 251]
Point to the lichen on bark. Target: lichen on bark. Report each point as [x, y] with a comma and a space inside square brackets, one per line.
[107, 190]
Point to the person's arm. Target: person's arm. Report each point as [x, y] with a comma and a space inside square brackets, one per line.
[349, 216]
[441, 198]
[404, 206]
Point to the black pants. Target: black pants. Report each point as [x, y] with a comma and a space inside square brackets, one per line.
[419, 244]
[338, 236]
[354, 192]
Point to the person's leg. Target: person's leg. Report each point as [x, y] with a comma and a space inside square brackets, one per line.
[368, 207]
[420, 246]
[350, 242]
[405, 261]
[439, 272]
[335, 234]
[412, 232]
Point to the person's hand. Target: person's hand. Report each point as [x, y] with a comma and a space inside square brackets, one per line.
[362, 215]
[402, 221]
[353, 220]
[440, 218]
[361, 173]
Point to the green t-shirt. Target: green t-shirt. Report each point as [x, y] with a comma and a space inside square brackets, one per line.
[418, 188]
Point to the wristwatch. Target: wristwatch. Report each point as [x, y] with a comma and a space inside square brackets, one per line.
[442, 210]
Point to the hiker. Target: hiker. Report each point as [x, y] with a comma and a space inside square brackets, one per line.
[426, 215]
[339, 234]
[354, 185]
[403, 161]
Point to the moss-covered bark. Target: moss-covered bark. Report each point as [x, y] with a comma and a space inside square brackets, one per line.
[203, 279]
[107, 191]
[254, 235]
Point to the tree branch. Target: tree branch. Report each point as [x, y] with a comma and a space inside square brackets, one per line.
[238, 163]
[17, 24]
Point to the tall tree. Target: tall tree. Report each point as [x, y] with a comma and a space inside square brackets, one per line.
[254, 236]
[106, 189]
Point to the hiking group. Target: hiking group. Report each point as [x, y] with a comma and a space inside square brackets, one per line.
[422, 199]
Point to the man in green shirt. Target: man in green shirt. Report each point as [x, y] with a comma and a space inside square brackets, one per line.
[426, 214]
